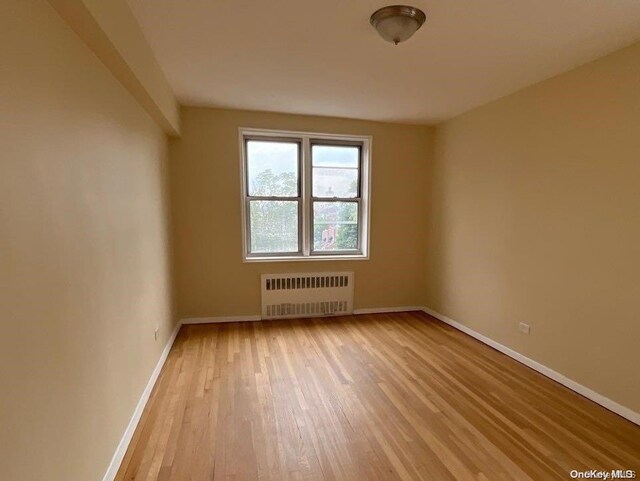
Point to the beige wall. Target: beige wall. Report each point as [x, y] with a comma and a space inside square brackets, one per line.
[212, 280]
[111, 31]
[535, 217]
[84, 270]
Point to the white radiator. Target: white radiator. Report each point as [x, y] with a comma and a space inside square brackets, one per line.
[307, 295]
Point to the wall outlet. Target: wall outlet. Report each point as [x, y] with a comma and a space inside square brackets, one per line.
[525, 328]
[155, 333]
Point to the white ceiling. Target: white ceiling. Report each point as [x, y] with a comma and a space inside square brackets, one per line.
[323, 58]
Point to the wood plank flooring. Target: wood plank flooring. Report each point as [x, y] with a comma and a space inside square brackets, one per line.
[376, 397]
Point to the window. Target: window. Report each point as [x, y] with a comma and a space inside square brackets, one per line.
[304, 196]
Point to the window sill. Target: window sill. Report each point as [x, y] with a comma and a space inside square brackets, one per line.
[355, 257]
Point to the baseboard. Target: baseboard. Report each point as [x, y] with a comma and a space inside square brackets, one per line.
[121, 450]
[215, 320]
[603, 401]
[382, 310]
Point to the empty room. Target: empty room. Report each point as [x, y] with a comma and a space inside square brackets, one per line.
[319, 241]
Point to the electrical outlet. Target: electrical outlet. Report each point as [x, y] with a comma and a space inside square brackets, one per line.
[524, 328]
[155, 333]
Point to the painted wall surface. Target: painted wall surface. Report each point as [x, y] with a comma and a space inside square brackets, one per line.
[111, 31]
[84, 251]
[212, 280]
[534, 216]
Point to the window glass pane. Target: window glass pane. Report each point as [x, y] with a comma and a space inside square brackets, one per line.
[329, 182]
[335, 156]
[335, 226]
[272, 168]
[274, 226]
[335, 171]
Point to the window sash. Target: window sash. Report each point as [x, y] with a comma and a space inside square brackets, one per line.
[337, 143]
[358, 249]
[284, 140]
[247, 208]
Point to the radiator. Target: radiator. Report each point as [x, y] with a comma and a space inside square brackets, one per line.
[307, 295]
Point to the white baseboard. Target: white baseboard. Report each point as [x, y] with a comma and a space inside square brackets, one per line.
[382, 310]
[603, 401]
[215, 320]
[220, 319]
[121, 450]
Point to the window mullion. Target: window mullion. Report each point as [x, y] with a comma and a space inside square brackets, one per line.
[306, 211]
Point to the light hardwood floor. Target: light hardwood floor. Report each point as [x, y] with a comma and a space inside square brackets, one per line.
[375, 397]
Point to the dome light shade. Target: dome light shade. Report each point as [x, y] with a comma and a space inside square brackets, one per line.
[397, 23]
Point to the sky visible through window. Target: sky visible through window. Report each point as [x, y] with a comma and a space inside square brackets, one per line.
[335, 156]
[335, 167]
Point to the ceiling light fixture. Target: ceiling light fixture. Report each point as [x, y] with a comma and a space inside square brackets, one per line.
[397, 23]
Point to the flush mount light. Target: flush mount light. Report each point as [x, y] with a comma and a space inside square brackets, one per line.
[397, 23]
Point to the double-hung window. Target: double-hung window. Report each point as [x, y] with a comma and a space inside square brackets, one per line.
[304, 195]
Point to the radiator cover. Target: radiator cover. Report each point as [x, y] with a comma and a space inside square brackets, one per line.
[307, 295]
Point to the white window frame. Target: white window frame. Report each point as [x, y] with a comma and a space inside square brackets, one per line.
[305, 211]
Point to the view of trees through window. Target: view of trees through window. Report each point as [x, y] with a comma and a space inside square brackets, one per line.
[335, 226]
[275, 203]
[274, 223]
